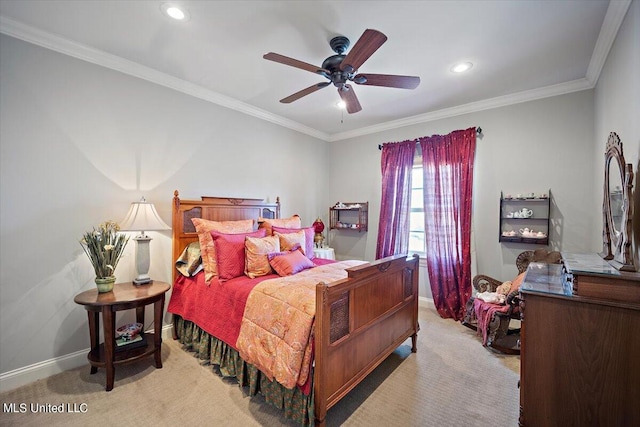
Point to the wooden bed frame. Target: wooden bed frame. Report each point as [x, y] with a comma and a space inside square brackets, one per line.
[360, 320]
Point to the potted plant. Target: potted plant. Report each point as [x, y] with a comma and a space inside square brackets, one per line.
[104, 246]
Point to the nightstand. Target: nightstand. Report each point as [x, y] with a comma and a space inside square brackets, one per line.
[125, 296]
[326, 253]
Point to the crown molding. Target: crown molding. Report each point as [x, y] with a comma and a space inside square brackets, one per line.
[611, 24]
[80, 51]
[487, 104]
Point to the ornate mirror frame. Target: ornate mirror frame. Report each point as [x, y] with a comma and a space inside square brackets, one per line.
[617, 248]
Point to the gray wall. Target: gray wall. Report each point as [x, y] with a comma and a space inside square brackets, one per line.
[529, 147]
[80, 142]
[617, 109]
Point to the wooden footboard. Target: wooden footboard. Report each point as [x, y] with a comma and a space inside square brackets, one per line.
[359, 322]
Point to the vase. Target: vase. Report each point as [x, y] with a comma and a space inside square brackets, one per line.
[105, 284]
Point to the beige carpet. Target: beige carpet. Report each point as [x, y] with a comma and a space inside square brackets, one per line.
[451, 380]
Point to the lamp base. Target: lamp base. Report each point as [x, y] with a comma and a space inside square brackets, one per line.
[142, 260]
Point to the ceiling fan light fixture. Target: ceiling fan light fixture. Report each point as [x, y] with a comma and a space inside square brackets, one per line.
[174, 12]
[461, 67]
[341, 105]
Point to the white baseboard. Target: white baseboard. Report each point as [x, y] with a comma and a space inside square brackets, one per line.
[425, 300]
[22, 376]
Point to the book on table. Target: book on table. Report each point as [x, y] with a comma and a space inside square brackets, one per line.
[127, 344]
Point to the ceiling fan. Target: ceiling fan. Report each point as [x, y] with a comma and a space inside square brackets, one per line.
[340, 69]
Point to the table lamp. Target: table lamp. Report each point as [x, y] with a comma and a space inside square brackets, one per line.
[142, 216]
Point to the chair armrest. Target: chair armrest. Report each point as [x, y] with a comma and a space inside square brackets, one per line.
[483, 283]
[513, 298]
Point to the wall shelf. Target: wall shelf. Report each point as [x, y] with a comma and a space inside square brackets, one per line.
[512, 224]
[353, 216]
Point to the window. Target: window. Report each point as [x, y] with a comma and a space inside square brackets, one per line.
[416, 217]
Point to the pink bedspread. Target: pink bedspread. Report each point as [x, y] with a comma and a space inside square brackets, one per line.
[276, 332]
[217, 308]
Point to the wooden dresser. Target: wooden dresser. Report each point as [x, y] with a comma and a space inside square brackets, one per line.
[580, 344]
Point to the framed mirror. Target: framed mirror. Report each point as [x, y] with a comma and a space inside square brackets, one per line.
[616, 207]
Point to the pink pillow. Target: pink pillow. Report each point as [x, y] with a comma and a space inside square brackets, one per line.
[309, 234]
[230, 253]
[515, 283]
[256, 250]
[292, 222]
[288, 263]
[204, 227]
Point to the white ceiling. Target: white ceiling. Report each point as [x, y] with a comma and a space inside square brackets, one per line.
[520, 49]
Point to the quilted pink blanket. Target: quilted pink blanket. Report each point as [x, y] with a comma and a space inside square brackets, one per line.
[276, 330]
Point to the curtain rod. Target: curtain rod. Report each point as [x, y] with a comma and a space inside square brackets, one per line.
[478, 131]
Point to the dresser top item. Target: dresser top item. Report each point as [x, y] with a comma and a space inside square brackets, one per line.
[552, 280]
[546, 279]
[588, 263]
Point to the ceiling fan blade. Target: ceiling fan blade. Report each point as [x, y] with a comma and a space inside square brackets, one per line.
[304, 92]
[349, 97]
[387, 80]
[367, 44]
[276, 57]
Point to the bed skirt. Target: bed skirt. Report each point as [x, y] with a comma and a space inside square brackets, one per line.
[210, 350]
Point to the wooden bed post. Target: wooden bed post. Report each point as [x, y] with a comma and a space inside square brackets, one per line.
[322, 340]
[413, 272]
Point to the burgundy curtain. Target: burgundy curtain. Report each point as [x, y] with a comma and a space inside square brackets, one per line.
[448, 181]
[395, 205]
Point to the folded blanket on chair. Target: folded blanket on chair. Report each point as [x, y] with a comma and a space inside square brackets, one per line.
[484, 313]
[492, 297]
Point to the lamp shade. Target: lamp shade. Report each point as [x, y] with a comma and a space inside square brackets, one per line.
[142, 216]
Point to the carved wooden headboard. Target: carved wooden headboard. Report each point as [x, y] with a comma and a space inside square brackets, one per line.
[214, 209]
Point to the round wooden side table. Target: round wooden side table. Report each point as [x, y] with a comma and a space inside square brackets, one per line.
[125, 296]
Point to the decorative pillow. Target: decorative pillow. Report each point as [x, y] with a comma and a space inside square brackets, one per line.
[230, 253]
[309, 234]
[190, 260]
[515, 283]
[208, 249]
[288, 263]
[504, 288]
[268, 224]
[272, 255]
[256, 250]
[289, 240]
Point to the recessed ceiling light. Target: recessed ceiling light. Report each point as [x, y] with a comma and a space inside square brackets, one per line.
[174, 12]
[462, 67]
[341, 104]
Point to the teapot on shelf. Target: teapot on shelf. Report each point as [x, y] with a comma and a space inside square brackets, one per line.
[526, 232]
[524, 213]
